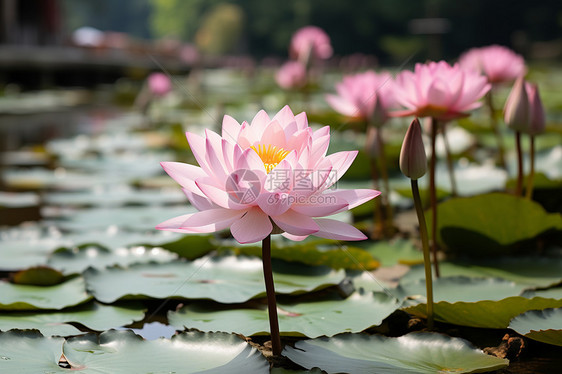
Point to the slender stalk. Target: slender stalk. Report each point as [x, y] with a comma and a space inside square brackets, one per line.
[495, 128]
[425, 247]
[388, 225]
[270, 292]
[433, 195]
[531, 180]
[519, 187]
[450, 167]
[378, 221]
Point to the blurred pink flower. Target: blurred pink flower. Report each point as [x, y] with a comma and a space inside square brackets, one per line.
[159, 84]
[367, 96]
[439, 90]
[265, 177]
[523, 110]
[500, 64]
[291, 75]
[310, 41]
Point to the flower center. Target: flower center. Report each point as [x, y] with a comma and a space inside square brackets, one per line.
[270, 155]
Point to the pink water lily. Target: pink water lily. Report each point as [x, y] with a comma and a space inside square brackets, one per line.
[310, 42]
[268, 176]
[159, 84]
[367, 96]
[439, 90]
[292, 74]
[500, 64]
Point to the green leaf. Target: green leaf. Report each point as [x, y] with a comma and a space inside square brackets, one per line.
[226, 279]
[94, 316]
[312, 319]
[542, 325]
[486, 224]
[418, 352]
[399, 251]
[475, 302]
[38, 276]
[317, 253]
[123, 352]
[531, 271]
[24, 297]
[76, 260]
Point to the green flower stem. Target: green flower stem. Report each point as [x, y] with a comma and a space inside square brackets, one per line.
[519, 187]
[433, 195]
[270, 292]
[531, 180]
[497, 133]
[388, 225]
[426, 258]
[378, 221]
[450, 167]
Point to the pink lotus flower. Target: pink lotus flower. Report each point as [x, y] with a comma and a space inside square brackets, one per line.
[268, 176]
[310, 41]
[439, 90]
[500, 64]
[523, 110]
[159, 84]
[291, 75]
[367, 96]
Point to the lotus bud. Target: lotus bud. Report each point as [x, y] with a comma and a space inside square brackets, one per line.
[371, 144]
[517, 111]
[380, 115]
[538, 122]
[413, 162]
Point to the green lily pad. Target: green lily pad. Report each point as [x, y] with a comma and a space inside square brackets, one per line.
[24, 297]
[228, 279]
[312, 319]
[123, 352]
[486, 224]
[417, 352]
[395, 252]
[115, 197]
[475, 302]
[542, 325]
[38, 276]
[533, 271]
[76, 260]
[316, 253]
[94, 316]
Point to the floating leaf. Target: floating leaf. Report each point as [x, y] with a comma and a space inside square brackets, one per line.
[417, 352]
[38, 276]
[475, 302]
[123, 352]
[312, 319]
[228, 279]
[94, 316]
[317, 253]
[542, 325]
[24, 297]
[395, 252]
[532, 271]
[77, 260]
[490, 223]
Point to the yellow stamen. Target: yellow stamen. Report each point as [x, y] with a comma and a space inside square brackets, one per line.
[270, 155]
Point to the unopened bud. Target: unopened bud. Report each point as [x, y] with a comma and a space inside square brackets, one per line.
[538, 122]
[517, 111]
[413, 162]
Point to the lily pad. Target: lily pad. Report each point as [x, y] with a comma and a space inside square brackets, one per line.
[542, 325]
[312, 319]
[76, 260]
[417, 352]
[123, 352]
[228, 279]
[475, 302]
[317, 253]
[532, 271]
[24, 297]
[95, 316]
[111, 197]
[396, 252]
[38, 276]
[490, 223]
